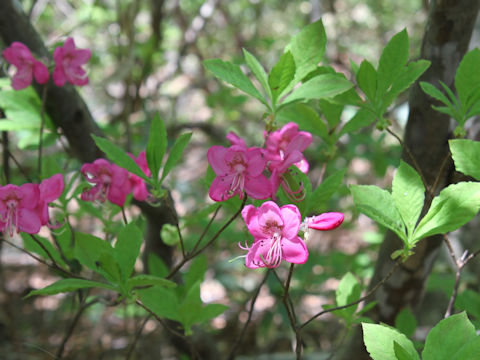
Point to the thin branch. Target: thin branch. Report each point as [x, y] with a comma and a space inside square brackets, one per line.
[367, 295]
[239, 339]
[440, 171]
[194, 253]
[73, 324]
[206, 228]
[137, 336]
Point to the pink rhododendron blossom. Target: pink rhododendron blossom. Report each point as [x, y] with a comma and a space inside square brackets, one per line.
[275, 233]
[18, 209]
[27, 66]
[238, 169]
[50, 190]
[283, 148]
[68, 64]
[325, 221]
[139, 187]
[110, 182]
[236, 140]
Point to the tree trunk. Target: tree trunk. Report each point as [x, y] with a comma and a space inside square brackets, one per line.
[447, 35]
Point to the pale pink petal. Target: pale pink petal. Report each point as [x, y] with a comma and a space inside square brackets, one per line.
[303, 165]
[258, 187]
[216, 158]
[250, 216]
[28, 221]
[268, 214]
[300, 142]
[288, 130]
[257, 254]
[220, 188]
[294, 250]
[291, 221]
[52, 188]
[326, 221]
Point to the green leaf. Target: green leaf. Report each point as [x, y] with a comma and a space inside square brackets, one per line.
[108, 266]
[379, 340]
[324, 192]
[67, 285]
[196, 272]
[156, 266]
[331, 111]
[320, 87]
[466, 156]
[145, 280]
[233, 75]
[456, 205]
[470, 350]
[307, 48]
[156, 146]
[408, 194]
[392, 60]
[361, 119]
[435, 93]
[162, 301]
[119, 157]
[127, 249]
[406, 322]
[406, 78]
[176, 153]
[169, 234]
[349, 290]
[281, 75]
[401, 353]
[306, 118]
[445, 340]
[469, 301]
[467, 78]
[32, 246]
[367, 79]
[88, 249]
[378, 204]
[258, 71]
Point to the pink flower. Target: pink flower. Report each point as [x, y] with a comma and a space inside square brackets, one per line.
[50, 190]
[139, 187]
[110, 182]
[68, 64]
[27, 66]
[283, 148]
[275, 233]
[325, 221]
[238, 169]
[17, 208]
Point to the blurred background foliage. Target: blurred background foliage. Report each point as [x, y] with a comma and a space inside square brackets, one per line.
[147, 58]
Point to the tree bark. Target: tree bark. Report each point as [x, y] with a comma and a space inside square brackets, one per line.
[447, 35]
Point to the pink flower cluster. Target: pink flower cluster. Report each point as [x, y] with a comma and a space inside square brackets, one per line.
[25, 208]
[241, 169]
[68, 65]
[113, 183]
[275, 232]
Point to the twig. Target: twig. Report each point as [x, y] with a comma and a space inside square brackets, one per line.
[137, 336]
[206, 228]
[440, 171]
[124, 216]
[72, 326]
[367, 295]
[194, 253]
[239, 339]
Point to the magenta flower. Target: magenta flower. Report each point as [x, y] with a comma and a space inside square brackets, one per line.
[18, 208]
[110, 182]
[325, 221]
[50, 190]
[283, 148]
[68, 64]
[27, 66]
[238, 169]
[139, 187]
[275, 233]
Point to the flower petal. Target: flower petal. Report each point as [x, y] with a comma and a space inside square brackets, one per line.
[28, 221]
[291, 221]
[294, 250]
[269, 214]
[52, 188]
[326, 221]
[216, 158]
[258, 187]
[220, 188]
[250, 216]
[256, 161]
[257, 254]
[30, 195]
